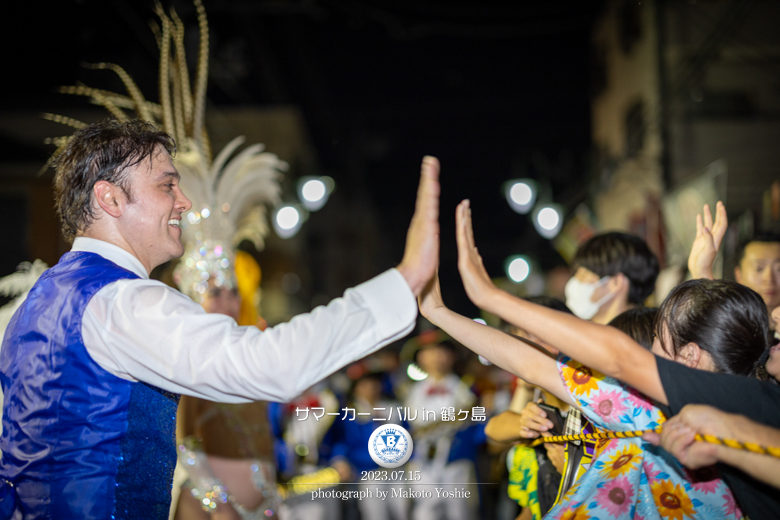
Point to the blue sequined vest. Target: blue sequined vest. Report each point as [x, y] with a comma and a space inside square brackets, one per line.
[78, 442]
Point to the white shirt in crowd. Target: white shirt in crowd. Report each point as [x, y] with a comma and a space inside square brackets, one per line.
[143, 330]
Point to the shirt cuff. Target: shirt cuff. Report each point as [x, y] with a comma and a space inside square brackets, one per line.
[389, 296]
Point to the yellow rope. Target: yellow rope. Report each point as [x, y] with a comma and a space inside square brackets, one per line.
[731, 443]
[591, 436]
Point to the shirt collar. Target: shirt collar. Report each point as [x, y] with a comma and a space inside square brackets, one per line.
[110, 252]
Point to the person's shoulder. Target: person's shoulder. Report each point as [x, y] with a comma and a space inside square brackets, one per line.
[141, 284]
[143, 292]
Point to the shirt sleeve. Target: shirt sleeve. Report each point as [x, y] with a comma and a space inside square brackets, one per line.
[146, 331]
[757, 400]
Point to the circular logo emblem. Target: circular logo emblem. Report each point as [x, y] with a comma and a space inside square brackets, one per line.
[390, 446]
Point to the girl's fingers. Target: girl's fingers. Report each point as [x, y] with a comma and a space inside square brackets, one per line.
[707, 216]
[460, 222]
[721, 222]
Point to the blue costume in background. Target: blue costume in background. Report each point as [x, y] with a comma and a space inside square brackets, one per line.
[78, 442]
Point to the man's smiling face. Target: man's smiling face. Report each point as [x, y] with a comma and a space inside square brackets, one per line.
[151, 220]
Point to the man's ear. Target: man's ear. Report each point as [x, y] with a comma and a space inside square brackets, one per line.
[738, 274]
[109, 197]
[690, 355]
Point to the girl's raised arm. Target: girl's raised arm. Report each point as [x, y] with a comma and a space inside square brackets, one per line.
[506, 351]
[600, 347]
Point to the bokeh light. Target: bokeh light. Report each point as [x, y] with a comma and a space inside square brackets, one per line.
[287, 221]
[315, 191]
[416, 373]
[518, 268]
[520, 194]
[548, 220]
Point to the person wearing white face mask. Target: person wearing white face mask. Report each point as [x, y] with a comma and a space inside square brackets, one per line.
[613, 272]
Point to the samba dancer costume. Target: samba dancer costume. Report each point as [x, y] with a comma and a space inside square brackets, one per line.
[94, 358]
[223, 442]
[228, 201]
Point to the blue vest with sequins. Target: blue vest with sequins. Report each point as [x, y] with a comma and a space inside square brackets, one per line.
[78, 442]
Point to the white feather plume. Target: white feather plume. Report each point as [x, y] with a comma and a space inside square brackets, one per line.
[18, 285]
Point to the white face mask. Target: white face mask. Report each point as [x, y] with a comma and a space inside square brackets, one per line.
[579, 294]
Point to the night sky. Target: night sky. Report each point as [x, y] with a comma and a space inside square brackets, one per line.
[496, 90]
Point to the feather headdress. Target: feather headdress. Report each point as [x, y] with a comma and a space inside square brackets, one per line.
[17, 286]
[228, 193]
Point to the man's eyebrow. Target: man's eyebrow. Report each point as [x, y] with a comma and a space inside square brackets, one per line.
[165, 175]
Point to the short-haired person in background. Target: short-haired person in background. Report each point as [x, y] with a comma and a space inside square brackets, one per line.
[613, 272]
[639, 323]
[757, 260]
[758, 267]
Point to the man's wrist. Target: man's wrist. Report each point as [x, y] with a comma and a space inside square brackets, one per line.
[412, 278]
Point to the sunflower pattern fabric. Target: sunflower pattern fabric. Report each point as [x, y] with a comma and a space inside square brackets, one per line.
[628, 478]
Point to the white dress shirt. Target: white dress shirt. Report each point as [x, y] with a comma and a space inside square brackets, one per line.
[143, 330]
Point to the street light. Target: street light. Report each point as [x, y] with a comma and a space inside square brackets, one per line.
[517, 268]
[520, 194]
[288, 219]
[548, 220]
[313, 192]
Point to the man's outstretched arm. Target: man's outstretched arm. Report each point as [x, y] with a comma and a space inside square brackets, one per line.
[143, 330]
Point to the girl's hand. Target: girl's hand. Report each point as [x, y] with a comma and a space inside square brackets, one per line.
[708, 238]
[430, 298]
[476, 281]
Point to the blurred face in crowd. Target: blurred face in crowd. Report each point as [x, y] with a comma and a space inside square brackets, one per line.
[368, 389]
[219, 300]
[760, 270]
[603, 290]
[437, 361]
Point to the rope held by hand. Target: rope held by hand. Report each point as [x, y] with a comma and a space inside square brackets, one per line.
[731, 443]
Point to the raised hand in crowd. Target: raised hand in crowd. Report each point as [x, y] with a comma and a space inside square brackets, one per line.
[479, 287]
[708, 238]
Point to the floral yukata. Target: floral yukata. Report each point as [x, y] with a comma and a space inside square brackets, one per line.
[629, 478]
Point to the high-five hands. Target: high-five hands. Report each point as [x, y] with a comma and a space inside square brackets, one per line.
[421, 255]
[476, 281]
[430, 298]
[708, 238]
